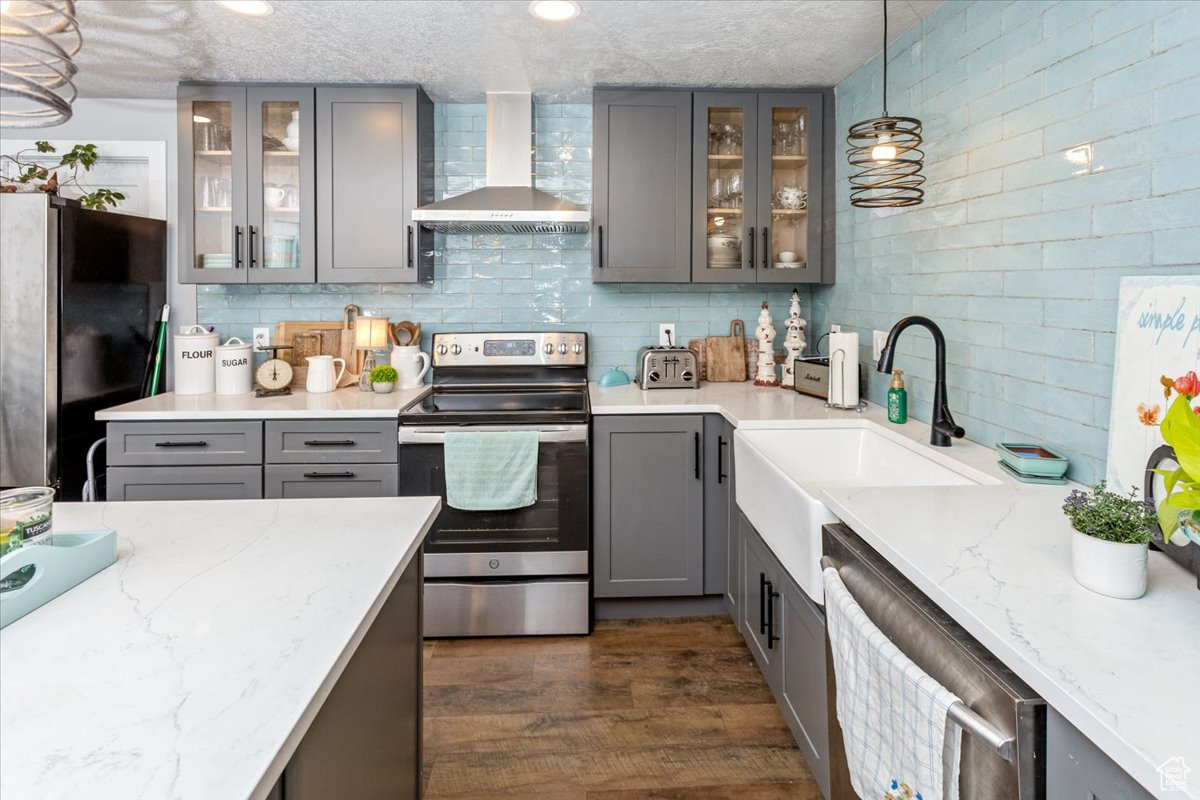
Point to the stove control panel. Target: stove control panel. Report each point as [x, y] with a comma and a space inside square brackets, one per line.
[507, 348]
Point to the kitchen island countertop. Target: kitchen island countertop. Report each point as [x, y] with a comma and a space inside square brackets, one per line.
[348, 403]
[194, 665]
[997, 559]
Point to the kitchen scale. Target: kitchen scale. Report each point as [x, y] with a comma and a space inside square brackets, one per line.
[274, 376]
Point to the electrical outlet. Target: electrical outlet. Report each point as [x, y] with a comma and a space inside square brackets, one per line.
[835, 328]
[262, 338]
[666, 334]
[878, 340]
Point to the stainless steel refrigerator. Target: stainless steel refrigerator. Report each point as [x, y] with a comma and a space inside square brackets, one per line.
[80, 292]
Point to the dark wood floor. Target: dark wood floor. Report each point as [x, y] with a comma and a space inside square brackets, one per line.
[672, 709]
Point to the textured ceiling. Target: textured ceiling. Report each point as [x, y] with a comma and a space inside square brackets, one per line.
[458, 49]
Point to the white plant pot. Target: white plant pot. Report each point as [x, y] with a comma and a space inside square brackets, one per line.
[383, 387]
[1109, 568]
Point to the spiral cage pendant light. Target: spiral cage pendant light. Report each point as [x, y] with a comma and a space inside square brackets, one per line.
[38, 40]
[885, 153]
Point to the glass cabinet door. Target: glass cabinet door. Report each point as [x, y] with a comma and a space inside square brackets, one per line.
[280, 241]
[212, 139]
[790, 173]
[724, 193]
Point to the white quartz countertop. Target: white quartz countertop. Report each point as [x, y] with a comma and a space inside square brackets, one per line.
[997, 559]
[349, 403]
[193, 666]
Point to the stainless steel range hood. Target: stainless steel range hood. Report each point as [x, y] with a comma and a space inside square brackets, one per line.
[509, 203]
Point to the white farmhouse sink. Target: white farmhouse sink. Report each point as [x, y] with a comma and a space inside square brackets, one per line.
[781, 472]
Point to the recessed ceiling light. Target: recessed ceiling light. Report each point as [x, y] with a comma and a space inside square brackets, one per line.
[554, 10]
[250, 8]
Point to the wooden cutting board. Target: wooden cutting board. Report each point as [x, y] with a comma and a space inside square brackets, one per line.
[314, 338]
[726, 355]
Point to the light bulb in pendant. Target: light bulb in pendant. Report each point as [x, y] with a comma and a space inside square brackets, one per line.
[883, 151]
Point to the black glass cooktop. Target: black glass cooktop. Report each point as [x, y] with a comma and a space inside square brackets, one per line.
[493, 407]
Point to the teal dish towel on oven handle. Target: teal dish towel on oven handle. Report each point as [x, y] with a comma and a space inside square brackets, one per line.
[492, 471]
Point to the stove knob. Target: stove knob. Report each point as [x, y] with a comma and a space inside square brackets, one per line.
[548, 348]
[577, 348]
[455, 349]
[441, 349]
[562, 348]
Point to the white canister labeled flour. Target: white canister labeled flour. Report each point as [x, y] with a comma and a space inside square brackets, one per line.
[195, 361]
[235, 362]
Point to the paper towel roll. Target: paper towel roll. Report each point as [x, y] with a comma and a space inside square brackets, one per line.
[843, 369]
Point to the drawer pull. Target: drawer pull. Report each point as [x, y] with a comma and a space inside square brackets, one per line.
[329, 443]
[181, 444]
[329, 474]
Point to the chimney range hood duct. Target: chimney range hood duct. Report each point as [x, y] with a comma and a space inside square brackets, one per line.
[509, 203]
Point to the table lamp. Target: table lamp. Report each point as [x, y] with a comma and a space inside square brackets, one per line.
[370, 334]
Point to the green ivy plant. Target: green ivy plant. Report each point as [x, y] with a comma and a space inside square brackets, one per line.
[80, 157]
[384, 374]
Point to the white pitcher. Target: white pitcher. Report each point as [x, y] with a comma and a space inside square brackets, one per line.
[321, 377]
[411, 364]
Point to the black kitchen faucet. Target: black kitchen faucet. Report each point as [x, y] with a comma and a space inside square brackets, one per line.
[943, 426]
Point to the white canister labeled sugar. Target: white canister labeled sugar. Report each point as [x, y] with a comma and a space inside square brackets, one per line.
[195, 361]
[235, 367]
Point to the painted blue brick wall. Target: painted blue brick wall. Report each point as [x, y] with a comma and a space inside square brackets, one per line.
[510, 282]
[1061, 154]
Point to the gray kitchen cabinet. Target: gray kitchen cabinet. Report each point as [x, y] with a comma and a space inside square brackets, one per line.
[762, 622]
[330, 441]
[642, 186]
[718, 494]
[246, 183]
[286, 481]
[374, 166]
[150, 444]
[735, 549]
[802, 690]
[1076, 769]
[184, 483]
[648, 507]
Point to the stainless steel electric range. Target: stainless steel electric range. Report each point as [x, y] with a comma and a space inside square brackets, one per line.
[517, 572]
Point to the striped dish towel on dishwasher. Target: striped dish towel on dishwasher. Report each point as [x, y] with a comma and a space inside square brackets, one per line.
[899, 740]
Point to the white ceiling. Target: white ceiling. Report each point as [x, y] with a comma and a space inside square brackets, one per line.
[458, 49]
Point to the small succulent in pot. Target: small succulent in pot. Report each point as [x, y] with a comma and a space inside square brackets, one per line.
[1112, 537]
[383, 379]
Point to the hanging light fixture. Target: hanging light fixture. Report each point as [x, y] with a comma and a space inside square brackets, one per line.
[886, 152]
[38, 40]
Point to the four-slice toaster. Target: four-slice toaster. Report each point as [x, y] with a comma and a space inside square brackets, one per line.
[667, 368]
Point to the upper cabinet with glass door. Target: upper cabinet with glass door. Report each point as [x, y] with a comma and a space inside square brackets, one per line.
[756, 191]
[247, 199]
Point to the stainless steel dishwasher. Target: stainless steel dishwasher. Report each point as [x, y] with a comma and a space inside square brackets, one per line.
[1003, 720]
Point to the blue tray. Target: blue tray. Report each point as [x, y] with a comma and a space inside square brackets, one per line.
[69, 560]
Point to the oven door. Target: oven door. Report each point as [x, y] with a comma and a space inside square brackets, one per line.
[550, 537]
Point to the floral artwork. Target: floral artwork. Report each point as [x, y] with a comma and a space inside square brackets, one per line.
[901, 791]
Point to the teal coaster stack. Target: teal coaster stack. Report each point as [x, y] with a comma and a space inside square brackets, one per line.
[1033, 463]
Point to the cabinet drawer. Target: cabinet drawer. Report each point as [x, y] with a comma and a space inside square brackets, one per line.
[155, 444]
[331, 441]
[327, 480]
[184, 483]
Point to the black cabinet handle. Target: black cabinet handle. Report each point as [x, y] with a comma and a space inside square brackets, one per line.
[410, 247]
[329, 443]
[252, 234]
[600, 246]
[696, 442]
[751, 238]
[762, 603]
[721, 445]
[237, 246]
[766, 254]
[329, 474]
[771, 595]
[181, 444]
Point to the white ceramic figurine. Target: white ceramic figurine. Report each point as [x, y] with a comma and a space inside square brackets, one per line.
[793, 342]
[765, 333]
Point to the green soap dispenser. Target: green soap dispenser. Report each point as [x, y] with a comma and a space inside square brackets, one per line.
[897, 399]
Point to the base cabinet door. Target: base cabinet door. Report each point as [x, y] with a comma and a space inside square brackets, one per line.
[185, 483]
[802, 691]
[1076, 769]
[718, 494]
[761, 609]
[648, 514]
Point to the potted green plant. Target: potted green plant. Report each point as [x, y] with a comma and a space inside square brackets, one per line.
[1111, 541]
[32, 168]
[1179, 508]
[383, 379]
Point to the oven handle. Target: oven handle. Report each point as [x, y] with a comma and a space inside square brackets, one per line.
[437, 434]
